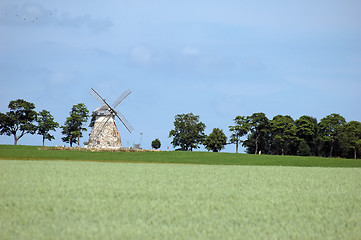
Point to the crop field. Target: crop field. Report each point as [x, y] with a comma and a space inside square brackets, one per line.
[102, 200]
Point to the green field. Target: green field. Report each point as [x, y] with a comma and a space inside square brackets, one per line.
[72, 194]
[209, 158]
[100, 200]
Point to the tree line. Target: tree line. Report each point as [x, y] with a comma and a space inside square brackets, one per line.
[332, 136]
[281, 135]
[22, 119]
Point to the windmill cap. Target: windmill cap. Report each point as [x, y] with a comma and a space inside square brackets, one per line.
[102, 110]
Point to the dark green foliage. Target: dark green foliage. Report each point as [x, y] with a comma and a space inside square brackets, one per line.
[156, 143]
[283, 135]
[258, 139]
[351, 139]
[332, 137]
[188, 132]
[330, 132]
[239, 130]
[307, 129]
[216, 140]
[19, 120]
[303, 149]
[73, 126]
[46, 124]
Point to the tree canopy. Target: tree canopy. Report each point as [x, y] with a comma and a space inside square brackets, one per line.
[215, 141]
[74, 125]
[330, 131]
[156, 143]
[188, 132]
[239, 130]
[46, 124]
[258, 139]
[19, 120]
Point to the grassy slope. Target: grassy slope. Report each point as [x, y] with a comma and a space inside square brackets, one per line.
[93, 200]
[209, 158]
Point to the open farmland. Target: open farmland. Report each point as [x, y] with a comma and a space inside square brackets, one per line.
[97, 200]
[209, 158]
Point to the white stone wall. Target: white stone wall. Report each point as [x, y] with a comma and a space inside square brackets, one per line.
[104, 136]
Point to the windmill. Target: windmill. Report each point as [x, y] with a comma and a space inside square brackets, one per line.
[105, 133]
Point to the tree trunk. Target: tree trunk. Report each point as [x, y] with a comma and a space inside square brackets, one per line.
[78, 141]
[256, 151]
[354, 154]
[237, 147]
[331, 150]
[15, 140]
[43, 141]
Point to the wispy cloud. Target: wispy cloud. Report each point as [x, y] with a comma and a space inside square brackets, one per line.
[32, 14]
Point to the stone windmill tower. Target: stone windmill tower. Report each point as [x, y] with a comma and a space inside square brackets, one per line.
[105, 133]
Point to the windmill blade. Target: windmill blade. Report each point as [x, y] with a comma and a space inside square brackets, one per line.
[124, 121]
[96, 96]
[121, 98]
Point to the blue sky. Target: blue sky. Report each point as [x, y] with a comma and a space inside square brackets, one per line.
[216, 59]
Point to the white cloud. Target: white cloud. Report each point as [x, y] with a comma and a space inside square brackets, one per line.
[32, 14]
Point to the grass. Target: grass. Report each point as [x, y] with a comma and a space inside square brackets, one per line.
[208, 158]
[97, 200]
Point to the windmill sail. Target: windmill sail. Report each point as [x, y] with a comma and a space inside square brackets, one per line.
[121, 98]
[105, 132]
[124, 121]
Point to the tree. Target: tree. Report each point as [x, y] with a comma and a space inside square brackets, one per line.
[188, 132]
[283, 135]
[45, 125]
[239, 130]
[351, 137]
[303, 148]
[73, 126]
[156, 143]
[19, 120]
[216, 140]
[307, 129]
[258, 140]
[330, 130]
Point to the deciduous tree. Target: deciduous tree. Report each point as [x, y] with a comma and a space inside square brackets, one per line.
[74, 124]
[156, 143]
[283, 135]
[307, 129]
[19, 120]
[240, 129]
[216, 140]
[258, 139]
[188, 132]
[351, 137]
[46, 124]
[330, 130]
